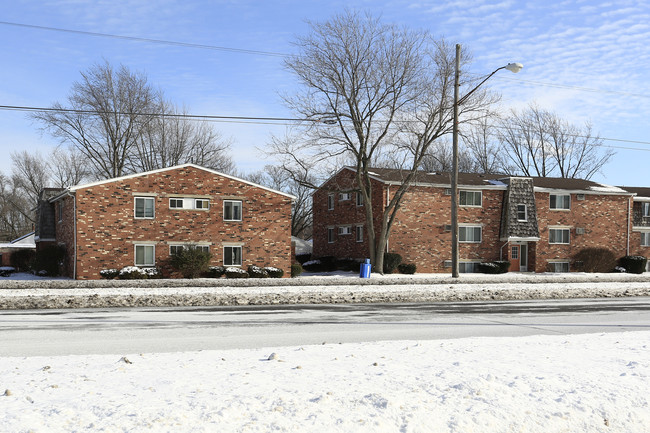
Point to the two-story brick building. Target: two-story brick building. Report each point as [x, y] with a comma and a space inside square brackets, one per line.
[141, 219]
[538, 224]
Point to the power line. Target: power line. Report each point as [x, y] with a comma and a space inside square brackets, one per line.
[150, 40]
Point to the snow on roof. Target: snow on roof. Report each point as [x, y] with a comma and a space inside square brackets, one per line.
[607, 188]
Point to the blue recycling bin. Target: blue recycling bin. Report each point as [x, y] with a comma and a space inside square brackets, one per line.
[365, 269]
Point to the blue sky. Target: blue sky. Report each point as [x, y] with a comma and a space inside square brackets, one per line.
[586, 60]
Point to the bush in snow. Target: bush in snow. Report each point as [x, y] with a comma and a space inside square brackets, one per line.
[132, 273]
[23, 260]
[216, 271]
[296, 269]
[595, 260]
[391, 262]
[236, 273]
[257, 272]
[190, 262]
[109, 274]
[406, 268]
[6, 271]
[274, 272]
[312, 266]
[302, 258]
[633, 264]
[489, 268]
[153, 273]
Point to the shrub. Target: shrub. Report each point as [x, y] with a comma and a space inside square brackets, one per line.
[216, 271]
[328, 263]
[109, 274]
[313, 266]
[302, 258]
[296, 269]
[633, 264]
[504, 265]
[23, 260]
[274, 272]
[257, 272]
[595, 260]
[153, 273]
[406, 268]
[132, 273]
[348, 265]
[391, 262]
[489, 268]
[236, 273]
[191, 262]
[49, 259]
[6, 271]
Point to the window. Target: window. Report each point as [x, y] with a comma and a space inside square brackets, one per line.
[558, 266]
[522, 214]
[359, 234]
[201, 203]
[514, 254]
[176, 203]
[144, 207]
[232, 210]
[175, 249]
[558, 236]
[646, 209]
[469, 234]
[330, 235]
[344, 196]
[470, 198]
[467, 267]
[330, 202]
[232, 256]
[560, 202]
[345, 230]
[359, 199]
[645, 239]
[59, 211]
[144, 255]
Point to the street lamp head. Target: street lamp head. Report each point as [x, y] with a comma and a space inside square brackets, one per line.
[514, 67]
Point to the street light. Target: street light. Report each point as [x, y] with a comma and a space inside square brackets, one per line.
[513, 67]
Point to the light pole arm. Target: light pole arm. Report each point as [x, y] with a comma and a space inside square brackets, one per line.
[464, 98]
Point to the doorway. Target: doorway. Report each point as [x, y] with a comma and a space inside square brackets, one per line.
[519, 257]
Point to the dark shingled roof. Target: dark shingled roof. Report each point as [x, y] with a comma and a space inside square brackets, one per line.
[639, 191]
[473, 179]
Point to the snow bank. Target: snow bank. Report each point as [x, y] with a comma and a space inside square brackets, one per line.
[578, 383]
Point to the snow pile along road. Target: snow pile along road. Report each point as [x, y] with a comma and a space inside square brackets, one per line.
[577, 383]
[32, 294]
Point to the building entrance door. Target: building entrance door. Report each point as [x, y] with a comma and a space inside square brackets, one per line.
[514, 258]
[523, 258]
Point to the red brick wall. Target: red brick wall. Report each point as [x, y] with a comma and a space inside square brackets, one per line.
[107, 230]
[604, 218]
[419, 235]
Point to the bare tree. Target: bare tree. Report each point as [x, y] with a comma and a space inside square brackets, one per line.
[15, 219]
[482, 148]
[171, 139]
[538, 142]
[383, 89]
[67, 167]
[29, 174]
[111, 109]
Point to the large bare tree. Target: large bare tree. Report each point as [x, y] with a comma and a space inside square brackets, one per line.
[538, 142]
[111, 108]
[370, 88]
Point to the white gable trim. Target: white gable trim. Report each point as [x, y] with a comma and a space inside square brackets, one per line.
[162, 170]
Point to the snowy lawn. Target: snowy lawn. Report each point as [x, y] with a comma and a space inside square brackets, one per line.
[578, 383]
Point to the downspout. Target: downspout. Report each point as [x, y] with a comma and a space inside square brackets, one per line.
[501, 251]
[387, 201]
[74, 233]
[629, 205]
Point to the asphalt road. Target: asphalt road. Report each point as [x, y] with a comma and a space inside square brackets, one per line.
[139, 330]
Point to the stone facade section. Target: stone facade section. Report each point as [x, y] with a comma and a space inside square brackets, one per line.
[520, 192]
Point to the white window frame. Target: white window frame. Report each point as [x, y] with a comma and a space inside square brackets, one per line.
[559, 229]
[204, 203]
[144, 208]
[645, 239]
[554, 264]
[330, 235]
[144, 264]
[645, 209]
[233, 247]
[464, 228]
[232, 202]
[359, 233]
[344, 196]
[174, 201]
[550, 201]
[345, 230]
[525, 213]
[463, 264]
[473, 194]
[175, 247]
[330, 201]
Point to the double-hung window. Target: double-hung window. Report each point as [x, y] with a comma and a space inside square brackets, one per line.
[470, 198]
[359, 199]
[330, 202]
[645, 239]
[470, 234]
[359, 233]
[558, 267]
[646, 209]
[522, 214]
[558, 236]
[145, 255]
[560, 202]
[232, 256]
[144, 207]
[467, 267]
[330, 235]
[232, 210]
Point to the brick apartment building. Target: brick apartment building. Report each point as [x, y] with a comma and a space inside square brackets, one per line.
[142, 219]
[538, 224]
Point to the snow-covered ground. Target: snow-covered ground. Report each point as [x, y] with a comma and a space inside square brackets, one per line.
[577, 383]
